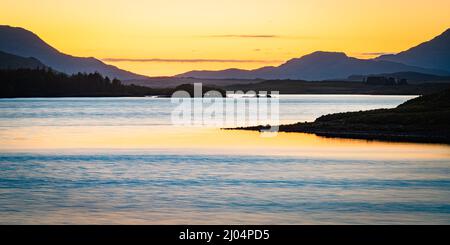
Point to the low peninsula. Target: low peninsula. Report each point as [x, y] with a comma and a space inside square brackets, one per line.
[423, 119]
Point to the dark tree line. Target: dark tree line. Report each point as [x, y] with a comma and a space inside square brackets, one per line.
[45, 82]
[49, 83]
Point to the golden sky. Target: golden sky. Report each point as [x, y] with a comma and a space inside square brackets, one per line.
[167, 37]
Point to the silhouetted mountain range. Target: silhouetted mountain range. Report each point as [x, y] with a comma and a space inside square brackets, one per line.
[316, 66]
[10, 61]
[18, 41]
[432, 57]
[434, 54]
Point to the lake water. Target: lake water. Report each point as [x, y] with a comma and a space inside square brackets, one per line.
[120, 161]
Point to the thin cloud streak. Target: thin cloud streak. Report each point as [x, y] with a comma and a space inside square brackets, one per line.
[262, 36]
[187, 60]
[245, 36]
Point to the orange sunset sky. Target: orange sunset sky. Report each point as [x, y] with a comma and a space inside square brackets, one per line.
[168, 37]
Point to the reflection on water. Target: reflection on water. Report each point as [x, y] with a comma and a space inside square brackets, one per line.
[91, 161]
[208, 141]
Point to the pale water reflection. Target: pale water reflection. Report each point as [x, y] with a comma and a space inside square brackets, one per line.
[90, 161]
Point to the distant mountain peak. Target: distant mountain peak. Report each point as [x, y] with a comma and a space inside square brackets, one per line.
[315, 58]
[21, 42]
[326, 54]
[433, 54]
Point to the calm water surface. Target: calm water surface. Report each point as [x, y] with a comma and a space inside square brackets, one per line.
[120, 161]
